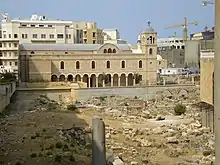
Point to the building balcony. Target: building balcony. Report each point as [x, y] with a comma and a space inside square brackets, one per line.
[9, 58]
[9, 39]
[9, 48]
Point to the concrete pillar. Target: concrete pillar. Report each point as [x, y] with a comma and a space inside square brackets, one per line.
[98, 142]
[97, 82]
[217, 82]
[126, 81]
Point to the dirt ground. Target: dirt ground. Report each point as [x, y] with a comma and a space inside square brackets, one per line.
[33, 136]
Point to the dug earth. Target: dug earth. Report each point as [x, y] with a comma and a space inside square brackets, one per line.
[138, 132]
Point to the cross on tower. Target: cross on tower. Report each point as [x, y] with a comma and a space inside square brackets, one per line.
[149, 23]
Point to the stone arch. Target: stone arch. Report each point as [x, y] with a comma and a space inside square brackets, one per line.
[114, 51]
[93, 80]
[62, 77]
[86, 79]
[77, 77]
[100, 80]
[70, 77]
[54, 78]
[109, 50]
[167, 94]
[123, 80]
[183, 93]
[105, 51]
[115, 80]
[130, 79]
[108, 80]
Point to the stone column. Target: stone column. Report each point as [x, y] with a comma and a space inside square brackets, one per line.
[89, 82]
[193, 82]
[178, 80]
[119, 81]
[112, 82]
[164, 81]
[103, 83]
[126, 81]
[217, 82]
[134, 82]
[98, 142]
[97, 82]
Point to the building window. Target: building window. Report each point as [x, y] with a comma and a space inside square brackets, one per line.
[24, 36]
[114, 51]
[15, 35]
[105, 51]
[34, 36]
[109, 50]
[50, 25]
[32, 25]
[4, 36]
[10, 63]
[59, 35]
[93, 34]
[32, 52]
[16, 63]
[61, 65]
[51, 35]
[150, 51]
[123, 64]
[9, 36]
[77, 65]
[150, 62]
[93, 64]
[41, 25]
[15, 45]
[43, 35]
[93, 41]
[140, 64]
[159, 62]
[108, 64]
[9, 45]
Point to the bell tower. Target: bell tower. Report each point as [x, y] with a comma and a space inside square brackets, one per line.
[149, 49]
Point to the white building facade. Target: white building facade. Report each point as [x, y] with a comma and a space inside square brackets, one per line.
[171, 42]
[113, 36]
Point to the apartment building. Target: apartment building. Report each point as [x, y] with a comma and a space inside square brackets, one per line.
[41, 30]
[113, 36]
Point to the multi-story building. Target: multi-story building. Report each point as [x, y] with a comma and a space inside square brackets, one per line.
[40, 30]
[113, 36]
[96, 64]
[172, 49]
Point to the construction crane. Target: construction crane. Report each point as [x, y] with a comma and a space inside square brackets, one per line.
[185, 27]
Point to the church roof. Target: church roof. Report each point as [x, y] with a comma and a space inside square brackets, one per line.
[69, 47]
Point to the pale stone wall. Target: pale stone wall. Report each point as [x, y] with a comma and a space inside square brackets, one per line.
[206, 80]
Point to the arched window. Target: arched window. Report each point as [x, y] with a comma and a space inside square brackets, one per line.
[105, 51]
[108, 64]
[93, 64]
[61, 65]
[77, 65]
[123, 64]
[32, 52]
[109, 50]
[140, 64]
[153, 40]
[114, 51]
[150, 51]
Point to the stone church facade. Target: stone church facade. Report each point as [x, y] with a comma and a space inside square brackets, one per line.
[98, 65]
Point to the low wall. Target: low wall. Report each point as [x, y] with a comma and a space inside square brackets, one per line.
[147, 93]
[6, 92]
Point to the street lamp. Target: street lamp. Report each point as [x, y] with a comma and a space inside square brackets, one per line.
[205, 3]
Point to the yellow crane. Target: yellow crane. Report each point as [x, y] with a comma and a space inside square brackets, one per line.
[185, 27]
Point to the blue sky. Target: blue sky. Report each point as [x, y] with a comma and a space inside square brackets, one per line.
[129, 16]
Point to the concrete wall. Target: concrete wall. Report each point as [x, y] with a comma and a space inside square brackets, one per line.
[6, 92]
[143, 92]
[192, 53]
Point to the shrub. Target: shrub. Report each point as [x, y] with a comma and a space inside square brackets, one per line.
[59, 145]
[180, 109]
[71, 107]
[33, 155]
[58, 158]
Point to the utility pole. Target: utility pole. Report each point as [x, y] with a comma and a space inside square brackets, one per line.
[217, 82]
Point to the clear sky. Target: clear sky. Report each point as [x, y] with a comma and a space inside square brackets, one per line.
[128, 16]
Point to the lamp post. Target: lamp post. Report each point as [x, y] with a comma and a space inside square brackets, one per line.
[205, 3]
